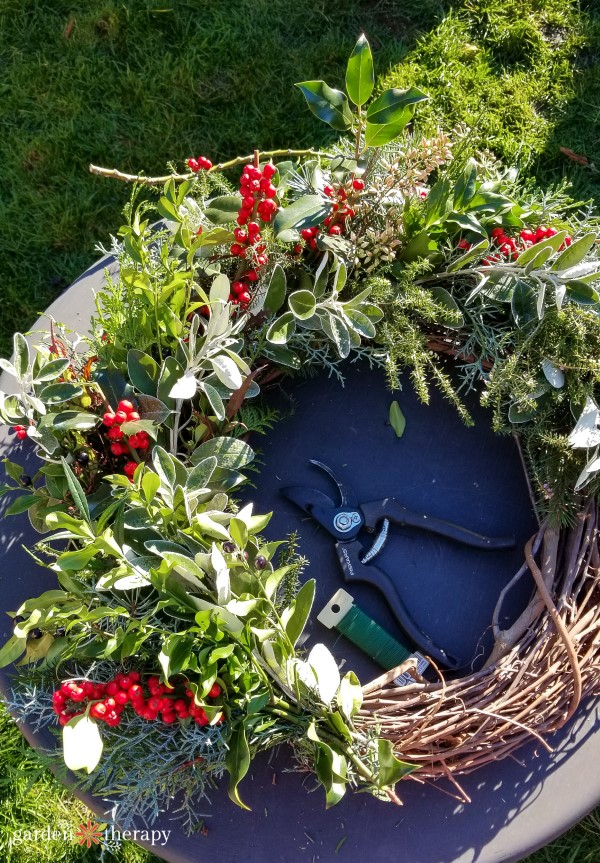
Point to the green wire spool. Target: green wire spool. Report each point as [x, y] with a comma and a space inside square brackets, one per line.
[341, 613]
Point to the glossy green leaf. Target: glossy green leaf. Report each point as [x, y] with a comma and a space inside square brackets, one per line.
[282, 355]
[237, 762]
[275, 296]
[306, 212]
[200, 475]
[582, 293]
[150, 485]
[474, 252]
[52, 370]
[327, 104]
[282, 329]
[394, 106]
[454, 319]
[231, 453]
[75, 420]
[302, 304]
[397, 419]
[438, 202]
[464, 189]
[524, 303]
[302, 606]
[391, 769]
[143, 371]
[360, 77]
[575, 253]
[223, 209]
[54, 394]
[20, 354]
[11, 650]
[77, 492]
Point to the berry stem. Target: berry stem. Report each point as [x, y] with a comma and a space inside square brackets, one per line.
[115, 174]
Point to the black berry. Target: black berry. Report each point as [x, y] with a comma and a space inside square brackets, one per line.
[83, 458]
[228, 547]
[26, 480]
[60, 632]
[35, 633]
[260, 562]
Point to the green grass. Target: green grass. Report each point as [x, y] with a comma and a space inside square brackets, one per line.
[135, 84]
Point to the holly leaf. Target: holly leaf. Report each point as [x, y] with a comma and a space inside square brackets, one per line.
[327, 104]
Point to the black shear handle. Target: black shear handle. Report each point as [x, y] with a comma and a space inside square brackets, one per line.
[391, 509]
[354, 570]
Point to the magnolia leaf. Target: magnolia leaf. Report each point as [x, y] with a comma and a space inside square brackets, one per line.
[326, 671]
[222, 581]
[275, 295]
[327, 104]
[397, 419]
[360, 77]
[586, 433]
[237, 762]
[143, 371]
[350, 695]
[82, 743]
[185, 387]
[301, 606]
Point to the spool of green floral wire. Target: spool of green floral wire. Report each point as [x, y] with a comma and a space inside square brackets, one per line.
[341, 613]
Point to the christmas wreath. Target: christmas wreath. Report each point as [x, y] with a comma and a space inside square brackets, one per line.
[175, 625]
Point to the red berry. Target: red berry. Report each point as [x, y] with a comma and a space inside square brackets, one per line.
[306, 234]
[244, 297]
[498, 232]
[134, 675]
[204, 164]
[241, 235]
[236, 250]
[215, 691]
[180, 704]
[64, 718]
[568, 241]
[88, 687]
[336, 230]
[193, 165]
[327, 221]
[201, 718]
[269, 170]
[134, 417]
[134, 442]
[130, 468]
[243, 216]
[154, 703]
[125, 406]
[58, 697]
[252, 172]
[527, 236]
[139, 707]
[328, 190]
[261, 260]
[342, 194]
[238, 288]
[267, 208]
[541, 232]
[116, 449]
[136, 691]
[297, 250]
[183, 714]
[108, 419]
[98, 711]
[114, 433]
[253, 229]
[313, 243]
[113, 720]
[252, 276]
[120, 417]
[358, 184]
[169, 718]
[248, 202]
[122, 697]
[77, 694]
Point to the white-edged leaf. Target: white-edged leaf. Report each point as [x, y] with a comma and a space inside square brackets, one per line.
[586, 433]
[222, 581]
[326, 671]
[185, 387]
[82, 743]
[227, 372]
[554, 375]
[591, 468]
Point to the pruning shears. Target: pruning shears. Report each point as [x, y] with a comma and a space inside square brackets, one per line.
[345, 521]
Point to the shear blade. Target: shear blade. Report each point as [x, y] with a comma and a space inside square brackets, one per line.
[306, 498]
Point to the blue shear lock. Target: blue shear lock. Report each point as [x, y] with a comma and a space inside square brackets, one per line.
[345, 522]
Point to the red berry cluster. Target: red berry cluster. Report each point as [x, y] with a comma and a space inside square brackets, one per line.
[199, 164]
[257, 193]
[148, 701]
[508, 247]
[341, 212]
[120, 444]
[20, 431]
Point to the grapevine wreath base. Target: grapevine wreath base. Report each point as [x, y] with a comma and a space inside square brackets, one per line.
[176, 626]
[540, 668]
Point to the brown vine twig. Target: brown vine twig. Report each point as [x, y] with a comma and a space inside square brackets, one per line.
[115, 174]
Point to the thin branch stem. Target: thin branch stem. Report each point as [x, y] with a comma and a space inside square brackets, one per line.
[115, 174]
